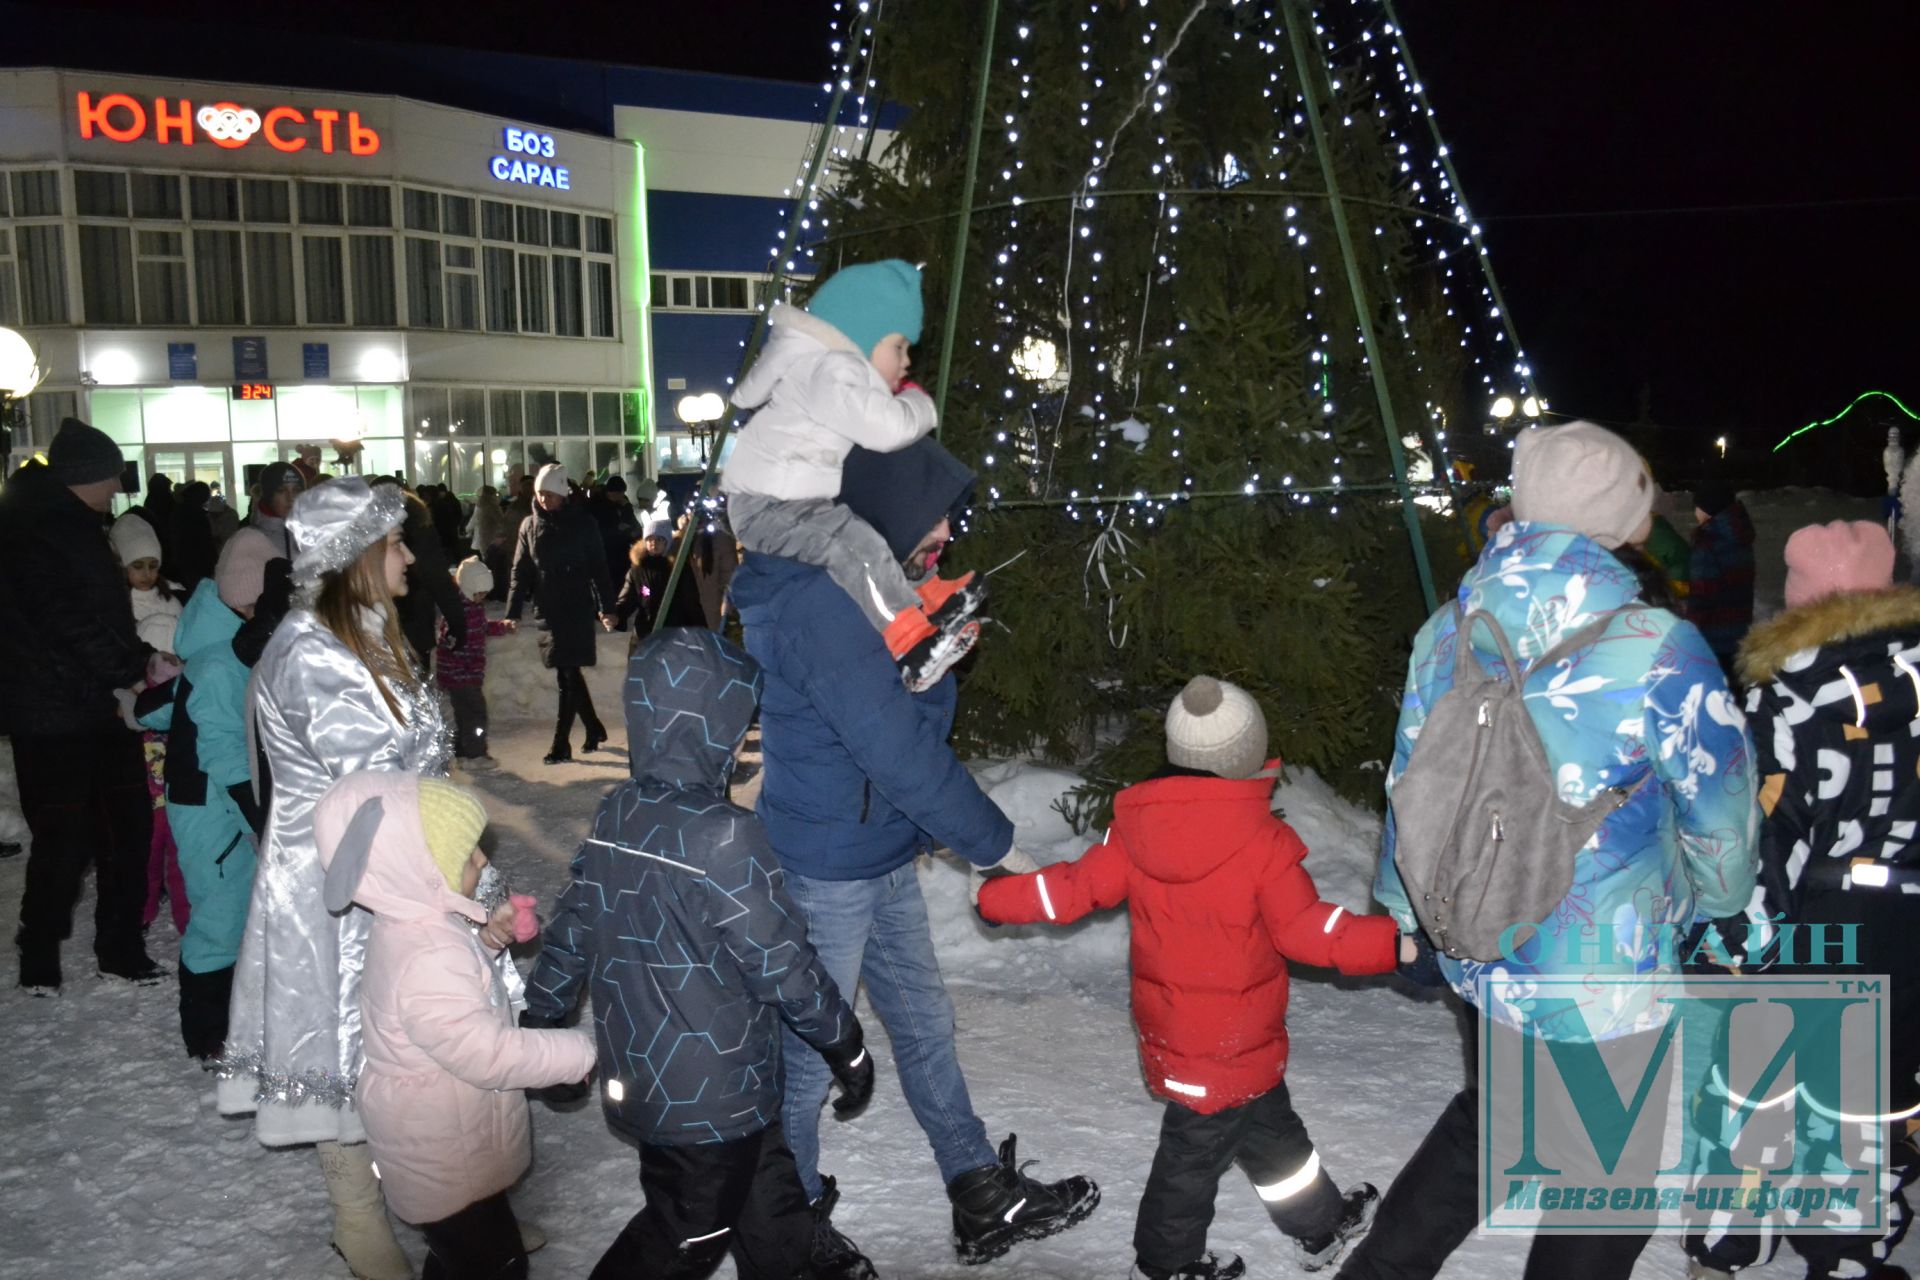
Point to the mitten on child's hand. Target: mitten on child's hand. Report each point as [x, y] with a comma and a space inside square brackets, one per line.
[1015, 862]
[853, 1071]
[526, 926]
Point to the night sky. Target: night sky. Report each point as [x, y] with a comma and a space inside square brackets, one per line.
[1701, 210]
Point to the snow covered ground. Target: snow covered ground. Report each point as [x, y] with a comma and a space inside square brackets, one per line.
[118, 1168]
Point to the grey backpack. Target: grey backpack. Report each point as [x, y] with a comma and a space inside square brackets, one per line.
[1483, 840]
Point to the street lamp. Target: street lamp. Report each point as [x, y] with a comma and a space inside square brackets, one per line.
[1503, 408]
[20, 373]
[698, 413]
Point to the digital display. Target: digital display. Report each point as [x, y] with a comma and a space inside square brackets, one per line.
[253, 391]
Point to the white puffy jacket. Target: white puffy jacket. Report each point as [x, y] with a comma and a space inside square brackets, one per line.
[817, 396]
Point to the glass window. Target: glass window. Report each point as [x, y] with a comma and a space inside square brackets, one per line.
[270, 277]
[466, 412]
[456, 213]
[320, 203]
[600, 299]
[701, 297]
[502, 315]
[600, 235]
[468, 466]
[180, 415]
[218, 276]
[576, 456]
[9, 285]
[162, 273]
[427, 410]
[568, 320]
[503, 414]
[657, 290]
[460, 255]
[6, 202]
[606, 413]
[117, 413]
[369, 205]
[631, 413]
[682, 291]
[373, 281]
[463, 300]
[106, 275]
[421, 209]
[43, 274]
[324, 263]
[543, 419]
[730, 293]
[155, 195]
[99, 194]
[496, 220]
[533, 293]
[423, 284]
[252, 420]
[429, 463]
[532, 225]
[36, 193]
[566, 230]
[573, 413]
[266, 200]
[214, 200]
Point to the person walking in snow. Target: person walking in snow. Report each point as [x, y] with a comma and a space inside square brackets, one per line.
[1838, 789]
[1719, 596]
[560, 565]
[858, 781]
[67, 644]
[832, 377]
[461, 668]
[335, 692]
[1679, 846]
[643, 593]
[672, 869]
[445, 1065]
[1219, 903]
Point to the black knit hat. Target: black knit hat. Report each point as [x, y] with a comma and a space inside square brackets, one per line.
[1714, 495]
[276, 476]
[81, 454]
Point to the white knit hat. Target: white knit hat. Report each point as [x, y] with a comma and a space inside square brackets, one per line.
[552, 479]
[1216, 727]
[134, 539]
[1583, 477]
[473, 577]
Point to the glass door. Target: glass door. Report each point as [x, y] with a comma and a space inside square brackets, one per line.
[210, 463]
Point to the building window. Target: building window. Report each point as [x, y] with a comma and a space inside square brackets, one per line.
[156, 196]
[266, 200]
[98, 194]
[106, 274]
[569, 320]
[320, 204]
[161, 268]
[324, 262]
[496, 221]
[599, 235]
[369, 205]
[675, 291]
[502, 316]
[9, 275]
[423, 282]
[373, 305]
[219, 279]
[456, 212]
[36, 193]
[214, 199]
[533, 293]
[600, 299]
[270, 294]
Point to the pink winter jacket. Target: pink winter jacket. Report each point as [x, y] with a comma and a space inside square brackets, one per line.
[440, 1093]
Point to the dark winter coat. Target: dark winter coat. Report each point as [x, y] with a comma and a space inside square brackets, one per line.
[645, 587]
[559, 564]
[1720, 581]
[619, 529]
[431, 591]
[158, 510]
[679, 923]
[1219, 903]
[447, 521]
[192, 549]
[66, 619]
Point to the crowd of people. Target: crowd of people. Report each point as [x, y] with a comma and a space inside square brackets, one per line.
[345, 963]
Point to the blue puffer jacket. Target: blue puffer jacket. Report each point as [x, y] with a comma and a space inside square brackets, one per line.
[1647, 697]
[859, 777]
[677, 920]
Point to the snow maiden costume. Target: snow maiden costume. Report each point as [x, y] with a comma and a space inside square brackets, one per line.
[294, 1039]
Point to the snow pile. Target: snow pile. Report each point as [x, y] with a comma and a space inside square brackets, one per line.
[519, 687]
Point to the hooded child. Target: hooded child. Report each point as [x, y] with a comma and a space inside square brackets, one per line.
[461, 666]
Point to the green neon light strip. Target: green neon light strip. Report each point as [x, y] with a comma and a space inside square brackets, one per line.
[1844, 412]
[643, 295]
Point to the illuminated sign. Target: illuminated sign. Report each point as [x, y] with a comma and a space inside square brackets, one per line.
[121, 117]
[253, 391]
[533, 170]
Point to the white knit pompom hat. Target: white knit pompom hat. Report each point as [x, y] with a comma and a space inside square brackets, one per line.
[1216, 727]
[473, 576]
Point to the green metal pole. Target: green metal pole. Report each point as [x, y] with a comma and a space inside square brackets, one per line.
[1296, 16]
[791, 249]
[965, 222]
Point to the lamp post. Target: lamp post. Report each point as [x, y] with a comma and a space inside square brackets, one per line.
[699, 413]
[20, 373]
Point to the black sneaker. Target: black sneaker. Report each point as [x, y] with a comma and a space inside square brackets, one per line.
[133, 964]
[996, 1207]
[834, 1256]
[1207, 1268]
[1320, 1252]
[40, 969]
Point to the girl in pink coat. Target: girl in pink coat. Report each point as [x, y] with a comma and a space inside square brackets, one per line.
[440, 1094]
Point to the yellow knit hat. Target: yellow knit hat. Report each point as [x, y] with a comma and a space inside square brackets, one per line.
[452, 819]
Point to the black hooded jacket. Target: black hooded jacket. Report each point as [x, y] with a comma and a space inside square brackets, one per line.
[677, 917]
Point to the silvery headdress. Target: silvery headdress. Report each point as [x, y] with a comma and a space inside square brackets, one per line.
[333, 523]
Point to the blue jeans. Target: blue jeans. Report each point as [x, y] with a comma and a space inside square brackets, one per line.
[877, 930]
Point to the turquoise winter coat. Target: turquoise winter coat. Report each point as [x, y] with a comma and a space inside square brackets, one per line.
[1648, 697]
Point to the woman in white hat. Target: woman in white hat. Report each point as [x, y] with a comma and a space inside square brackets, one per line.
[335, 692]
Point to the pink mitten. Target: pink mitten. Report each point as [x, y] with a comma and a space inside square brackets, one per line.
[525, 926]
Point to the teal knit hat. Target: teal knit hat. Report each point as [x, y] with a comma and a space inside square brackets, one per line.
[869, 301]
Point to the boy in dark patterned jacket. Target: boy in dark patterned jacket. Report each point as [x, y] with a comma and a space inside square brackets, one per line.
[677, 918]
[461, 668]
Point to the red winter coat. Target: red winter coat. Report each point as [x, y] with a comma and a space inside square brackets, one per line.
[1219, 903]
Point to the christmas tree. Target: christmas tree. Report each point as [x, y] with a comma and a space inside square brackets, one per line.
[1163, 353]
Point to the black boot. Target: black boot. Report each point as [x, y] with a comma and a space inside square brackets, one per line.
[204, 998]
[1356, 1215]
[1207, 1268]
[996, 1207]
[834, 1256]
[39, 964]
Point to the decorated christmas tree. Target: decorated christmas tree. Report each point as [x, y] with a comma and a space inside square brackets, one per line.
[1213, 432]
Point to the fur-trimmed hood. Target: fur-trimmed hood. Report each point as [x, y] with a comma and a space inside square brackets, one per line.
[1848, 628]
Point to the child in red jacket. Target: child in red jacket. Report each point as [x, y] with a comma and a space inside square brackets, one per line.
[1219, 903]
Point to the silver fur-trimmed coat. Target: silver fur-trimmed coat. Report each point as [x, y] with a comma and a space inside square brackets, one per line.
[293, 1046]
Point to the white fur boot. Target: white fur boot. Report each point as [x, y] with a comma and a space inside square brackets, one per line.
[361, 1233]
